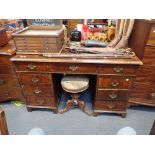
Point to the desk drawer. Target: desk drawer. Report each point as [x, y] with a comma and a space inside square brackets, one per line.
[114, 82]
[145, 74]
[28, 66]
[36, 40]
[110, 105]
[143, 94]
[35, 47]
[117, 69]
[74, 68]
[43, 89]
[28, 78]
[40, 101]
[112, 95]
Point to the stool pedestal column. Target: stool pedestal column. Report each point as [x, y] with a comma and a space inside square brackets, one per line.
[75, 101]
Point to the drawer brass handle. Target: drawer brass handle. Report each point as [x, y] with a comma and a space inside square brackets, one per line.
[37, 91]
[73, 68]
[31, 67]
[113, 96]
[118, 69]
[1, 82]
[40, 102]
[35, 80]
[152, 95]
[115, 84]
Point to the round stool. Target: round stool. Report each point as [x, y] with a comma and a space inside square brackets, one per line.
[75, 85]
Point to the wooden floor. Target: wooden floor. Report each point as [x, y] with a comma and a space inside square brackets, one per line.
[152, 132]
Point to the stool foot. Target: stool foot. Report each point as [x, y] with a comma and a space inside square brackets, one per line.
[82, 105]
[69, 104]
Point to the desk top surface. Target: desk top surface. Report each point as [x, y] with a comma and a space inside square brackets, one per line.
[38, 58]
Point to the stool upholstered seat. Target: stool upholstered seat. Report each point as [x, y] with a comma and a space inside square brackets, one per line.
[74, 84]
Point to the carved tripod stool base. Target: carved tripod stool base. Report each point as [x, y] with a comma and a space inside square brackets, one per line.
[75, 101]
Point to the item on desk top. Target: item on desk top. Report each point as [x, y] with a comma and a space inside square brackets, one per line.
[13, 26]
[128, 25]
[36, 41]
[93, 53]
[96, 36]
[89, 36]
[84, 31]
[123, 31]
[75, 35]
[93, 43]
[110, 33]
[41, 35]
[3, 37]
[102, 37]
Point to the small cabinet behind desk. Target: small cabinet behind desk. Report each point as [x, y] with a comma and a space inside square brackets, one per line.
[41, 84]
[9, 85]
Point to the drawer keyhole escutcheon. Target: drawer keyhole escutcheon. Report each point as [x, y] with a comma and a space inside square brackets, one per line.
[73, 68]
[152, 95]
[127, 79]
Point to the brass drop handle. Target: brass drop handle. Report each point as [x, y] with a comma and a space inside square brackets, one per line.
[113, 95]
[31, 66]
[118, 69]
[115, 84]
[35, 80]
[37, 91]
[40, 102]
[1, 82]
[152, 95]
[73, 68]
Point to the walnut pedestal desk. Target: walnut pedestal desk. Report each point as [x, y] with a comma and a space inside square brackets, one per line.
[40, 80]
[9, 85]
